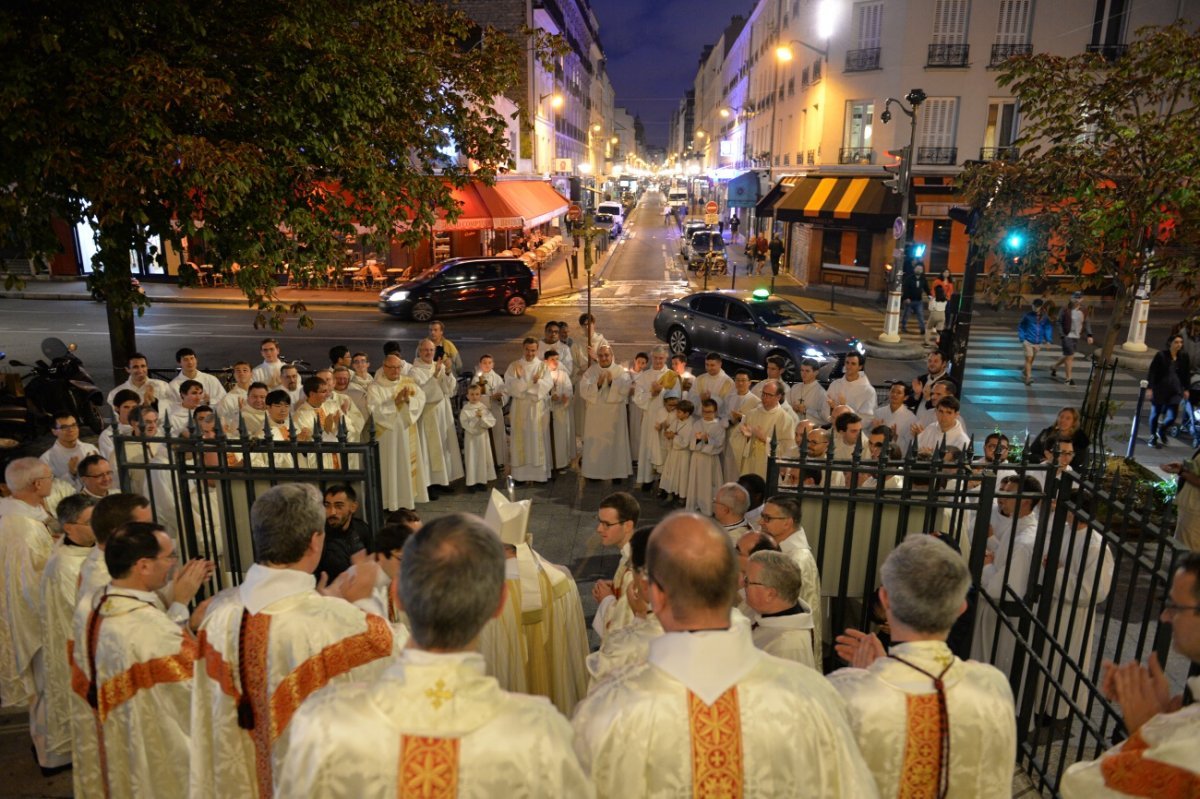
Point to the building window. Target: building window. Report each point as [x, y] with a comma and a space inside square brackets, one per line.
[948, 47]
[1108, 30]
[856, 138]
[939, 120]
[846, 248]
[868, 28]
[1012, 31]
[1000, 130]
[939, 247]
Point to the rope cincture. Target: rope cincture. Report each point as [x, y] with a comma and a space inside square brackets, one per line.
[943, 777]
[245, 707]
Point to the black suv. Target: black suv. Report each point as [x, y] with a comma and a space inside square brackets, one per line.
[463, 285]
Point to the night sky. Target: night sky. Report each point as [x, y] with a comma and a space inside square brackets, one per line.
[653, 49]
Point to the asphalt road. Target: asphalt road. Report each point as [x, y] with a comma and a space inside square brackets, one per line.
[641, 271]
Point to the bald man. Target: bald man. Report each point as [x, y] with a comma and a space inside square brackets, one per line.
[649, 731]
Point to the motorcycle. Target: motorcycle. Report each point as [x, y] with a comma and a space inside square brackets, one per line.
[60, 386]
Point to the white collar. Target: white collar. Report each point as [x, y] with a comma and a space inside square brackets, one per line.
[707, 663]
[149, 597]
[265, 586]
[798, 539]
[793, 621]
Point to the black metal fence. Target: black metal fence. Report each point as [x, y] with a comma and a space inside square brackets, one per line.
[1066, 574]
[201, 489]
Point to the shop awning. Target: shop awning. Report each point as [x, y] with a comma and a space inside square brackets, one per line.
[862, 200]
[766, 206]
[742, 191]
[534, 200]
[482, 208]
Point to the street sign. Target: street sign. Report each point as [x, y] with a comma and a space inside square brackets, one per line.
[710, 219]
[711, 208]
[898, 228]
[574, 212]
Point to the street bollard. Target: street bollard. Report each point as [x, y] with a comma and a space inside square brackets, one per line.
[832, 306]
[1137, 419]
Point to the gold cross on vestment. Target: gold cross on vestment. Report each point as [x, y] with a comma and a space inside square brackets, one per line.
[438, 695]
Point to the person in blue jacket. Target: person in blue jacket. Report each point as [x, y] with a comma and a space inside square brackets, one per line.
[1035, 330]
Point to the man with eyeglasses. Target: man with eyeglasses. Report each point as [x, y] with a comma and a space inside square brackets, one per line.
[780, 519]
[742, 720]
[1163, 747]
[96, 478]
[28, 535]
[782, 623]
[616, 518]
[125, 630]
[772, 421]
[68, 451]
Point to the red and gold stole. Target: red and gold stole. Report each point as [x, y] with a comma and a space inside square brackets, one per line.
[718, 770]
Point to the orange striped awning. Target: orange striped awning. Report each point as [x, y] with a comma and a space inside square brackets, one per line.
[851, 199]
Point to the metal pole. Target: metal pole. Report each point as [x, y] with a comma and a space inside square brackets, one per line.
[1137, 420]
[891, 321]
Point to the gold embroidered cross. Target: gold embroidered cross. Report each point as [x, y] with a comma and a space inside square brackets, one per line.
[438, 695]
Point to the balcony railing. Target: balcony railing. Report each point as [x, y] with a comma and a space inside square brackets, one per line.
[856, 155]
[862, 60]
[1109, 52]
[1008, 153]
[937, 156]
[948, 55]
[1003, 52]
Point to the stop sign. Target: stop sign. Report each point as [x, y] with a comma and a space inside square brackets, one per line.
[711, 208]
[574, 212]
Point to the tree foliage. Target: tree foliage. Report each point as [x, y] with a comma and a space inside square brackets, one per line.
[269, 130]
[1106, 187]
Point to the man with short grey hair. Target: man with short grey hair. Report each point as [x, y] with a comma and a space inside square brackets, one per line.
[782, 625]
[919, 696]
[742, 720]
[436, 705]
[278, 637]
[730, 504]
[27, 537]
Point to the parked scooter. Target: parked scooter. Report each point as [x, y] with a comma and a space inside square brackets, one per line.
[60, 386]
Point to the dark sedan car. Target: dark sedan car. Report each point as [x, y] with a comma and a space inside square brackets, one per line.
[747, 327]
[463, 285]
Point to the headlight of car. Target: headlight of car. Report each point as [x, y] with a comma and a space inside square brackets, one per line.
[398, 296]
[815, 354]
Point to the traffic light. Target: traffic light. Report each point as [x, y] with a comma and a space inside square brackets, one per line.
[1015, 241]
[917, 250]
[899, 171]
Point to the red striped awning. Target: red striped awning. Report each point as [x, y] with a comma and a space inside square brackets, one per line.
[861, 200]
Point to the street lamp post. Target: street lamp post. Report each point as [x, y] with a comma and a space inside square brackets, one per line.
[891, 319]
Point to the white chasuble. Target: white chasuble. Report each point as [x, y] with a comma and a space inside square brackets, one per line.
[443, 458]
[132, 709]
[760, 426]
[502, 640]
[606, 426]
[621, 650]
[647, 397]
[401, 467]
[1160, 759]
[614, 612]
[433, 725]
[57, 611]
[562, 420]
[718, 387]
[896, 719]
[555, 632]
[529, 383]
[711, 716]
[266, 646]
[25, 548]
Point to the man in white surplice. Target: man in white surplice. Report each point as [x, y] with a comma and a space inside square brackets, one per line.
[434, 717]
[562, 420]
[396, 402]
[273, 641]
[605, 389]
[55, 609]
[647, 395]
[780, 519]
[616, 518]
[437, 381]
[139, 694]
[583, 354]
[918, 698]
[528, 382]
[781, 622]
[761, 425]
[26, 543]
[714, 384]
[710, 714]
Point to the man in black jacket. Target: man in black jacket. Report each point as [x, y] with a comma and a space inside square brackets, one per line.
[913, 292]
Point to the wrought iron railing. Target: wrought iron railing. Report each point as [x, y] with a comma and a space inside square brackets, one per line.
[856, 155]
[948, 55]
[1003, 52]
[863, 60]
[937, 156]
[1008, 153]
[1109, 52]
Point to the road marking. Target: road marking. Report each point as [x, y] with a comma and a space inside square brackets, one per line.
[623, 290]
